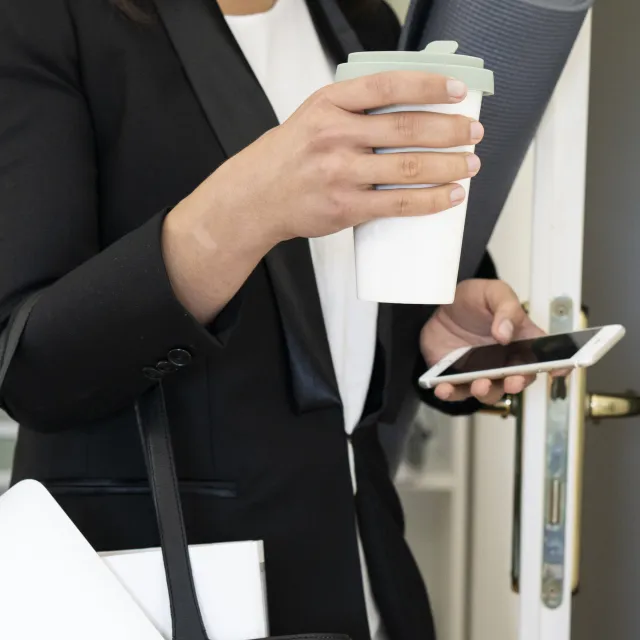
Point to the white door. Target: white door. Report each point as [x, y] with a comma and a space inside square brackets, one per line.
[527, 594]
[553, 417]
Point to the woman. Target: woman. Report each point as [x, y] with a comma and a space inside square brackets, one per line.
[145, 184]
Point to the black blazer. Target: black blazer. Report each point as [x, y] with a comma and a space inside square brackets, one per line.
[104, 125]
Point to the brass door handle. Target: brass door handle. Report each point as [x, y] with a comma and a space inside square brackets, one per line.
[507, 406]
[598, 406]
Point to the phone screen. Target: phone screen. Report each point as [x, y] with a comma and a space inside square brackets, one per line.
[521, 352]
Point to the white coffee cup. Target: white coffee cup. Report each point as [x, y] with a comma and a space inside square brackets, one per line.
[416, 260]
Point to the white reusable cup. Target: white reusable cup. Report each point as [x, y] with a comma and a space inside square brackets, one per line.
[416, 260]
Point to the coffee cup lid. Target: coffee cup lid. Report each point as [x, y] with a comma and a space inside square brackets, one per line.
[437, 57]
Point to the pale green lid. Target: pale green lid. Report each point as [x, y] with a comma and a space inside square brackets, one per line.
[438, 57]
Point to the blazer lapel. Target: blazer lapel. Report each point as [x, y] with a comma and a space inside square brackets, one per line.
[342, 40]
[239, 112]
[414, 25]
[233, 102]
[335, 31]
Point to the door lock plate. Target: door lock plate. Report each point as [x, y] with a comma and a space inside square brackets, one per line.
[556, 469]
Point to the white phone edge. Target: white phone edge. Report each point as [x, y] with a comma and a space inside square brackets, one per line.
[606, 338]
[601, 343]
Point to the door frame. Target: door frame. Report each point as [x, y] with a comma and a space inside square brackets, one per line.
[556, 272]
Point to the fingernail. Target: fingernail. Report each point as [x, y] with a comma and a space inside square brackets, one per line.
[456, 88]
[505, 330]
[473, 163]
[477, 132]
[457, 195]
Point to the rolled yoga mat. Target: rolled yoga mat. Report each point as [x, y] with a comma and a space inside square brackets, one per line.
[526, 43]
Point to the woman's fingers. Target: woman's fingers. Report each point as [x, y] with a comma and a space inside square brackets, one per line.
[389, 203]
[450, 393]
[486, 391]
[415, 168]
[342, 137]
[517, 384]
[391, 88]
[490, 391]
[414, 129]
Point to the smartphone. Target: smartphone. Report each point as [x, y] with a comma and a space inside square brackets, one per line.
[524, 357]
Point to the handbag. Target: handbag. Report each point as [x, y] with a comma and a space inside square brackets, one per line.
[155, 436]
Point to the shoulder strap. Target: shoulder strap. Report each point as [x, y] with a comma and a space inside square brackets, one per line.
[151, 414]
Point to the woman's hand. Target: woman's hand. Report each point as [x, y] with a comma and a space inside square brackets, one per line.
[484, 312]
[313, 175]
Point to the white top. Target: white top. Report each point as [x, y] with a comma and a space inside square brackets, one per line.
[286, 55]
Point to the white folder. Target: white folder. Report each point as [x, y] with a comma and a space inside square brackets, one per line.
[229, 581]
[53, 585]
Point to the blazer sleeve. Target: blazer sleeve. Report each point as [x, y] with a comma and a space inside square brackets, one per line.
[487, 271]
[107, 315]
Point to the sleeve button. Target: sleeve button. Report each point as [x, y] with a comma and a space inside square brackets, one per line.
[179, 357]
[152, 373]
[165, 367]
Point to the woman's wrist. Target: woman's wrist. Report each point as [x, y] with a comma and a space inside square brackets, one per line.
[210, 249]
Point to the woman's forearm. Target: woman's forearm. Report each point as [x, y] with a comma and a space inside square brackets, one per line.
[203, 236]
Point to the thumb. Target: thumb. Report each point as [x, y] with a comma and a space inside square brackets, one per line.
[508, 314]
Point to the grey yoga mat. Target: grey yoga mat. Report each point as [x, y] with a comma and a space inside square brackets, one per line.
[526, 43]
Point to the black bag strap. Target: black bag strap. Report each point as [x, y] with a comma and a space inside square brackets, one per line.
[151, 414]
[155, 434]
